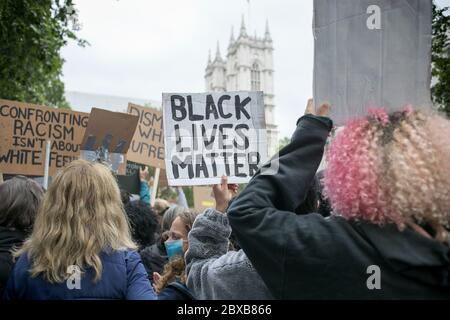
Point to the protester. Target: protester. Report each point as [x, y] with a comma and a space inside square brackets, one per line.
[80, 246]
[143, 222]
[20, 199]
[171, 284]
[155, 256]
[324, 207]
[144, 191]
[388, 181]
[213, 271]
[160, 207]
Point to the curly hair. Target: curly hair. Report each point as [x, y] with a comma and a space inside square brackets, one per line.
[392, 169]
[173, 270]
[143, 222]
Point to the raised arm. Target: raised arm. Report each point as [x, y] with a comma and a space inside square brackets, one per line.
[263, 218]
[213, 272]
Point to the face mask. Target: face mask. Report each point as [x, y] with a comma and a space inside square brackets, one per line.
[174, 248]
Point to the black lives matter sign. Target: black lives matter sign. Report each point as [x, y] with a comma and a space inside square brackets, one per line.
[24, 130]
[208, 135]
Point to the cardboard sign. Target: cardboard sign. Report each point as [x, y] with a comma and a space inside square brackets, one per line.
[208, 135]
[24, 130]
[162, 183]
[371, 53]
[203, 198]
[108, 136]
[147, 146]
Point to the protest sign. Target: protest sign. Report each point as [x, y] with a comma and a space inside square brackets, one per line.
[24, 130]
[147, 146]
[107, 137]
[203, 198]
[371, 53]
[208, 135]
[130, 181]
[132, 168]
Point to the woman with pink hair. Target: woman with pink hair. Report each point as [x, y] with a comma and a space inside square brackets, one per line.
[388, 183]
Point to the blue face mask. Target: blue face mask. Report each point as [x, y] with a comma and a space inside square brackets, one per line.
[174, 248]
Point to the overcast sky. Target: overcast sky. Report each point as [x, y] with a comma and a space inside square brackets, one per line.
[141, 48]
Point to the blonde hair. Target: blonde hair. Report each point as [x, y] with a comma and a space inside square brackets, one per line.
[80, 216]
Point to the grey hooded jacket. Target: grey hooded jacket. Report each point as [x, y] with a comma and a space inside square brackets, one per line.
[213, 272]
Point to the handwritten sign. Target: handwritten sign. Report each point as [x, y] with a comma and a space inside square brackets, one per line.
[147, 146]
[208, 135]
[24, 130]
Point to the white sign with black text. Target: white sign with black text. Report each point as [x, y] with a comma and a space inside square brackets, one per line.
[208, 135]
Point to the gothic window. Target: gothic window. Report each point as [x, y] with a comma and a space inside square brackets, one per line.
[255, 78]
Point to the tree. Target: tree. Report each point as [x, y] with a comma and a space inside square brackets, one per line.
[32, 34]
[283, 143]
[440, 57]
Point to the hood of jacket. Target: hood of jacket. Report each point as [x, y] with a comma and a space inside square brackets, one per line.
[410, 253]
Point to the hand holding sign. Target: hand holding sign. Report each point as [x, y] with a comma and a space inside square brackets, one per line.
[223, 193]
[324, 109]
[143, 174]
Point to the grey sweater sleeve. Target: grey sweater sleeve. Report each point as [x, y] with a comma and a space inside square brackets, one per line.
[213, 272]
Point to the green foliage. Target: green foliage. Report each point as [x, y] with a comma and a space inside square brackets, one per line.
[189, 193]
[32, 34]
[441, 58]
[283, 143]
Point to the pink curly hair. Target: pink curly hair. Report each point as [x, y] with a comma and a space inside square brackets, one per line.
[392, 169]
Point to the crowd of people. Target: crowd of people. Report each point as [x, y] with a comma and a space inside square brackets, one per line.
[382, 200]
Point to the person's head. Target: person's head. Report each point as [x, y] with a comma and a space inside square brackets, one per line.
[81, 215]
[170, 215]
[161, 206]
[181, 226]
[20, 198]
[392, 169]
[177, 243]
[143, 222]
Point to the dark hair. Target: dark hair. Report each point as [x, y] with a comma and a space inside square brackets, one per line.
[324, 205]
[125, 196]
[20, 198]
[143, 222]
[311, 202]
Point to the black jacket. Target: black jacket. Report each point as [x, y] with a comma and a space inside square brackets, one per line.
[176, 290]
[312, 257]
[154, 259]
[8, 239]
